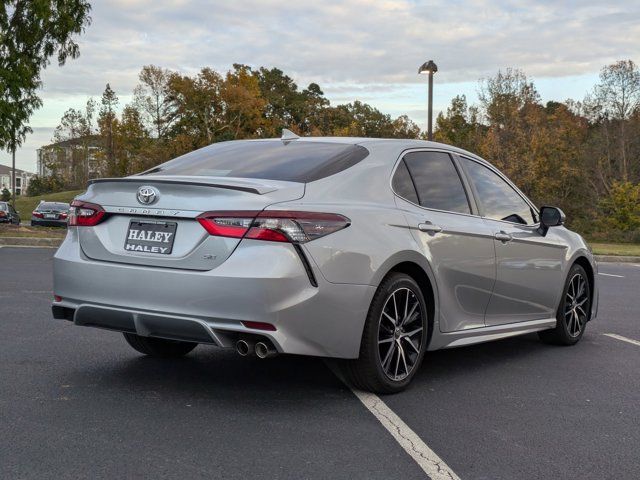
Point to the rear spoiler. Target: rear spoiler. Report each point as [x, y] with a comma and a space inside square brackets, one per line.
[242, 185]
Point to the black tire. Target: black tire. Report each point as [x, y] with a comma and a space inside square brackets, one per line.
[368, 372]
[159, 347]
[574, 310]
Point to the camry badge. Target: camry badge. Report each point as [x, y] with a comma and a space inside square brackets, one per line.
[147, 195]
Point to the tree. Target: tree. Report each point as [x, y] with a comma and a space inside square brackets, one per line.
[404, 127]
[314, 103]
[31, 32]
[284, 102]
[152, 99]
[5, 196]
[617, 97]
[131, 143]
[107, 124]
[242, 103]
[460, 126]
[621, 207]
[198, 108]
[72, 130]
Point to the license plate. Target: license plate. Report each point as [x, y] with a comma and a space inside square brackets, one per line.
[50, 215]
[150, 237]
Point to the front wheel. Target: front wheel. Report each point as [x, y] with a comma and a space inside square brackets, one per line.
[159, 347]
[394, 338]
[574, 310]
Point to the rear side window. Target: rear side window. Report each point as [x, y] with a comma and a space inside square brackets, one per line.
[53, 206]
[437, 181]
[498, 199]
[295, 161]
[403, 185]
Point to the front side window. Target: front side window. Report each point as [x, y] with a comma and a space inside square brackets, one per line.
[437, 181]
[498, 199]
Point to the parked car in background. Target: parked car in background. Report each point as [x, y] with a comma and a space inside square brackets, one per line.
[8, 214]
[50, 214]
[368, 250]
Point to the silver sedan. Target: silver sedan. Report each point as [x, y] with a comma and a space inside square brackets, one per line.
[371, 251]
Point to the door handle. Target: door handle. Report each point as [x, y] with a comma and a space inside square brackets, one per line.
[429, 227]
[504, 237]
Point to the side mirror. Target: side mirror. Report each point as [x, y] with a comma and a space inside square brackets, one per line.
[550, 217]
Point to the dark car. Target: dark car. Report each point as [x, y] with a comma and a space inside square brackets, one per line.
[8, 214]
[50, 214]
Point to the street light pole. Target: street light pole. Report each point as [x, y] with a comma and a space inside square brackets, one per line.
[429, 68]
[430, 109]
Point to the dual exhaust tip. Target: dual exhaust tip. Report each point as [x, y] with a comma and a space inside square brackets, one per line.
[261, 349]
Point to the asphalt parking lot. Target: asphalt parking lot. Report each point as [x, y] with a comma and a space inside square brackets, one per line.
[79, 403]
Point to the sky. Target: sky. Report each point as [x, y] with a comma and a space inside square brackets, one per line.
[354, 49]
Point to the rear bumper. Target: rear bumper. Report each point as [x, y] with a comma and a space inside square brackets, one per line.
[261, 281]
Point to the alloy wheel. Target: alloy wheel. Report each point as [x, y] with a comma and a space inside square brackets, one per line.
[576, 305]
[400, 332]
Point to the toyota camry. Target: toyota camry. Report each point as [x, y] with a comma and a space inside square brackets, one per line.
[371, 251]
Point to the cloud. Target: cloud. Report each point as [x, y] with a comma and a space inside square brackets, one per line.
[351, 41]
[354, 49]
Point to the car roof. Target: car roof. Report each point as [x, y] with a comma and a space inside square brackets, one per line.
[372, 143]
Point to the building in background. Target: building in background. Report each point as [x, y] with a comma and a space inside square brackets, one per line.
[22, 179]
[74, 161]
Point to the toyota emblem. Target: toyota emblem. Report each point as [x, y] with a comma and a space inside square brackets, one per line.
[147, 195]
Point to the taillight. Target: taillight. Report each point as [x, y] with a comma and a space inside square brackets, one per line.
[227, 224]
[37, 214]
[63, 216]
[2, 214]
[84, 214]
[275, 226]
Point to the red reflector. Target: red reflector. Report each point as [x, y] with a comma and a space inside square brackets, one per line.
[266, 234]
[57, 298]
[260, 326]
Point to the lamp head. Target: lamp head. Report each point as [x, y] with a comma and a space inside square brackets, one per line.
[428, 67]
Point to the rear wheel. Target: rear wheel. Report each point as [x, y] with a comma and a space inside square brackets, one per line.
[394, 338]
[574, 310]
[159, 347]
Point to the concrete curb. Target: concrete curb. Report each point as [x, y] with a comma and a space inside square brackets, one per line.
[617, 258]
[30, 242]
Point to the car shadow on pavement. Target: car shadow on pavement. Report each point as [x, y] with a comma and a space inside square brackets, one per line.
[214, 372]
[470, 361]
[211, 373]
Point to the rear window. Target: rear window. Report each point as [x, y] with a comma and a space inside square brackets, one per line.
[53, 206]
[293, 161]
[3, 207]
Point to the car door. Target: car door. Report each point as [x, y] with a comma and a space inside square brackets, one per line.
[456, 242]
[528, 264]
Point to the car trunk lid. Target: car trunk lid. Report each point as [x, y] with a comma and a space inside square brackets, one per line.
[135, 233]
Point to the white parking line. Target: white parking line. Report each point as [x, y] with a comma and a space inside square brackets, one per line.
[610, 275]
[410, 442]
[623, 339]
